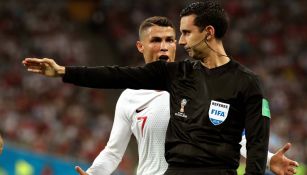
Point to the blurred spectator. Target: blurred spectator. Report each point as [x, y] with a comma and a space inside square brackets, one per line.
[48, 116]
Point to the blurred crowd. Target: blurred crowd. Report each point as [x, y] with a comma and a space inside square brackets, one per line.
[45, 115]
[48, 116]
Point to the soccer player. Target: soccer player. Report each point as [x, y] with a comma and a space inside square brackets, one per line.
[212, 100]
[143, 113]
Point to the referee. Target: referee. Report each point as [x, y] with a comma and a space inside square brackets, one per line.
[212, 97]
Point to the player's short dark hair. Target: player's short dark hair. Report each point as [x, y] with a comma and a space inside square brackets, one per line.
[208, 12]
[155, 21]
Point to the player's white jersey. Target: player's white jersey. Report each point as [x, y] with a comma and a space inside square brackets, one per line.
[145, 113]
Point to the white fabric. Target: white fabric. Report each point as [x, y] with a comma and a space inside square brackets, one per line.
[150, 139]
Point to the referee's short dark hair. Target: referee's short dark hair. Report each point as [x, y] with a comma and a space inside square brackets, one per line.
[208, 12]
[155, 21]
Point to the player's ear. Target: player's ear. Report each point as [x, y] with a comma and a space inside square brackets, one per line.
[139, 46]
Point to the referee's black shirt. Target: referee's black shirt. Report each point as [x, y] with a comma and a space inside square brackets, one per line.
[209, 109]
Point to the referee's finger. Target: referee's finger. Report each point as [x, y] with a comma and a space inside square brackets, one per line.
[291, 170]
[35, 70]
[33, 60]
[285, 148]
[294, 163]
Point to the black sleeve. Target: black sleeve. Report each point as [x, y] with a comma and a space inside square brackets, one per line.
[257, 125]
[150, 76]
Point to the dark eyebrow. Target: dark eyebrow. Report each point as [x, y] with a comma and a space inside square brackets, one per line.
[172, 37]
[159, 39]
[155, 38]
[185, 31]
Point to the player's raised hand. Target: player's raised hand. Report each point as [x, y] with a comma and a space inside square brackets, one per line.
[80, 170]
[280, 164]
[45, 66]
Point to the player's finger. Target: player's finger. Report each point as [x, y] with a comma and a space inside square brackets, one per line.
[80, 171]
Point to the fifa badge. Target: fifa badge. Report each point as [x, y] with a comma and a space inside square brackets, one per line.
[218, 112]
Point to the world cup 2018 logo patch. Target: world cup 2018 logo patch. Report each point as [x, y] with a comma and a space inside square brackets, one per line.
[181, 113]
[218, 112]
[182, 104]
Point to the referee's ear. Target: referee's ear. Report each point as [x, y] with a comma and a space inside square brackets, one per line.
[140, 46]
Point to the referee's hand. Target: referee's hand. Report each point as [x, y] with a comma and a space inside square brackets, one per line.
[44, 66]
[280, 164]
[80, 171]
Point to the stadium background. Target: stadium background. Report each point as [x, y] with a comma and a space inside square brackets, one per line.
[47, 123]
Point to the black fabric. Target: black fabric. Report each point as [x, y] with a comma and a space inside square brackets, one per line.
[192, 139]
[199, 171]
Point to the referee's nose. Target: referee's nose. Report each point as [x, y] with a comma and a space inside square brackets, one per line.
[182, 41]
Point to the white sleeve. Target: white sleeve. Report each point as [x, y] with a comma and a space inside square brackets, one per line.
[243, 146]
[109, 158]
[243, 151]
[270, 155]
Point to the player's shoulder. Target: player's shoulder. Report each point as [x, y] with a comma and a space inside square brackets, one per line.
[127, 101]
[128, 92]
[130, 99]
[139, 96]
[133, 92]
